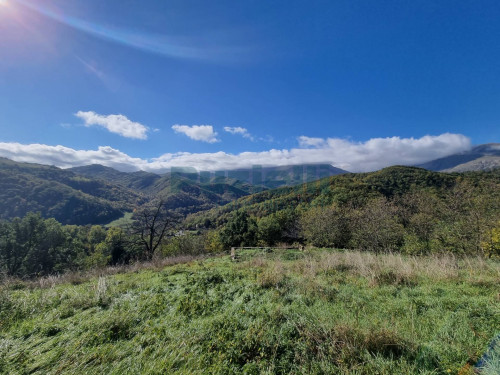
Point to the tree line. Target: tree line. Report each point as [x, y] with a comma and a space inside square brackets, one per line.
[461, 219]
[464, 219]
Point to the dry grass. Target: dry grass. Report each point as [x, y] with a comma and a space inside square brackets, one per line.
[398, 267]
[395, 269]
[273, 276]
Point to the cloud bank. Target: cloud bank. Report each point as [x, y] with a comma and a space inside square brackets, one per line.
[366, 156]
[118, 124]
[204, 133]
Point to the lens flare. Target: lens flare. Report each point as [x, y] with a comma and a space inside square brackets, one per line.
[159, 44]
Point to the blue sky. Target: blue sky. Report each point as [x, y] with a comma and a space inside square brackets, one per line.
[124, 83]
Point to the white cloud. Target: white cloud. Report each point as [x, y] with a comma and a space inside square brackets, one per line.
[118, 124]
[238, 130]
[371, 155]
[311, 142]
[66, 157]
[203, 133]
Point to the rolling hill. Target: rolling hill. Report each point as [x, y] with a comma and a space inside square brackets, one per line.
[183, 192]
[61, 194]
[259, 177]
[187, 191]
[99, 195]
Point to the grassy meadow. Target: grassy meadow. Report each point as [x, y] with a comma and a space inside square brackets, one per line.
[281, 312]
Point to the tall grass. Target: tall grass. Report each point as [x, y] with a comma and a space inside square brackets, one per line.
[324, 312]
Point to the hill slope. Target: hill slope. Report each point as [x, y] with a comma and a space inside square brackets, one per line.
[182, 191]
[190, 192]
[289, 175]
[353, 188]
[99, 195]
[260, 178]
[61, 194]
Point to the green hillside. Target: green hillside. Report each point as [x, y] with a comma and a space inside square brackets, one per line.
[284, 312]
[99, 195]
[61, 194]
[134, 180]
[354, 189]
[182, 192]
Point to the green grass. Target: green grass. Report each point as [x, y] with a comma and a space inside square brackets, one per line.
[320, 312]
[123, 221]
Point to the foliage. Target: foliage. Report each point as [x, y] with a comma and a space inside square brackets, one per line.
[326, 226]
[33, 246]
[213, 243]
[491, 244]
[241, 230]
[184, 245]
[60, 194]
[396, 209]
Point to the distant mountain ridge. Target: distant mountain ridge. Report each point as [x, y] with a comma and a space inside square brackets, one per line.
[288, 175]
[96, 194]
[189, 191]
[480, 158]
[259, 177]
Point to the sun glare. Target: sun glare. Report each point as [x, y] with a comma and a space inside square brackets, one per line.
[3, 2]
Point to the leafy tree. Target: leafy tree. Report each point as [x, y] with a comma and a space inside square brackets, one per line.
[326, 226]
[269, 230]
[213, 243]
[113, 247]
[375, 227]
[491, 245]
[96, 235]
[240, 230]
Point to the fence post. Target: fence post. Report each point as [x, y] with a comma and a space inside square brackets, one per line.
[233, 253]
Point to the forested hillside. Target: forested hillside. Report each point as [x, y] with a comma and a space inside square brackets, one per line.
[99, 195]
[396, 209]
[181, 191]
[61, 194]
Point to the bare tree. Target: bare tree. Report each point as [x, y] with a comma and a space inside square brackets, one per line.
[151, 223]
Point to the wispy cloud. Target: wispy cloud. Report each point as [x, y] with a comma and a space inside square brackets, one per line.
[371, 155]
[311, 142]
[238, 130]
[204, 133]
[118, 124]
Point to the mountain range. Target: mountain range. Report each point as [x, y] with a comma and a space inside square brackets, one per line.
[96, 194]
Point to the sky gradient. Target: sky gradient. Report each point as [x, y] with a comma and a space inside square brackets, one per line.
[221, 85]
